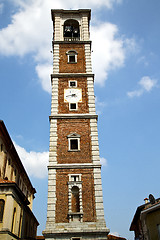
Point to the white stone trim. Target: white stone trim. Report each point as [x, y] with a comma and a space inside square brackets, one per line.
[57, 28]
[78, 184]
[74, 166]
[88, 58]
[85, 30]
[97, 171]
[54, 100]
[51, 205]
[56, 58]
[53, 142]
[91, 97]
[98, 196]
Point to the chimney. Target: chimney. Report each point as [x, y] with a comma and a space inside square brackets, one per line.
[146, 200]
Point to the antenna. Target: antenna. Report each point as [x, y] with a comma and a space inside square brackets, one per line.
[151, 199]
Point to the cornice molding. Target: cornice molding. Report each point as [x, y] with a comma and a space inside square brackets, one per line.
[73, 116]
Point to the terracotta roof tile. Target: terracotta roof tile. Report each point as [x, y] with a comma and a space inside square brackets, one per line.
[6, 181]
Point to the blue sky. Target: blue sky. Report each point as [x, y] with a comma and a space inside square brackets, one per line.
[126, 56]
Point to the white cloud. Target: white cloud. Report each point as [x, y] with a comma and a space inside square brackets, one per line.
[103, 161]
[108, 52]
[35, 163]
[136, 93]
[30, 32]
[146, 85]
[43, 72]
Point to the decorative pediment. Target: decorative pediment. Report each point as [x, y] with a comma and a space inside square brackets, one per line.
[72, 52]
[73, 135]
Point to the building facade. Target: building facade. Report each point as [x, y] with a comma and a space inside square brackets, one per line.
[146, 221]
[16, 194]
[75, 202]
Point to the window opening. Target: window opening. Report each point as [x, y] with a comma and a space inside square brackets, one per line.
[72, 106]
[72, 59]
[72, 83]
[13, 219]
[74, 144]
[75, 178]
[2, 202]
[75, 199]
[71, 30]
[72, 56]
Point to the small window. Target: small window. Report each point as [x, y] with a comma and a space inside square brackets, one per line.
[72, 83]
[72, 59]
[72, 106]
[72, 56]
[75, 178]
[2, 202]
[74, 144]
[13, 220]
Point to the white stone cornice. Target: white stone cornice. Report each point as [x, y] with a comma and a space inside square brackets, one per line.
[63, 75]
[74, 165]
[73, 116]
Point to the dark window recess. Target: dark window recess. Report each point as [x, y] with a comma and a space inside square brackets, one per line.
[72, 59]
[75, 199]
[2, 202]
[73, 106]
[72, 84]
[74, 144]
[71, 29]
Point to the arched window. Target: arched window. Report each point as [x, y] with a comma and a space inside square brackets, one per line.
[2, 202]
[75, 199]
[71, 30]
[72, 56]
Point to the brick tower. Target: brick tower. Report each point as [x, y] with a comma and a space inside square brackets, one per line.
[75, 201]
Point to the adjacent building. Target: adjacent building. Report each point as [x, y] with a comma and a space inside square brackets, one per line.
[146, 221]
[75, 202]
[16, 193]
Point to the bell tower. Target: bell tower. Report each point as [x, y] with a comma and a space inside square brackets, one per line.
[75, 201]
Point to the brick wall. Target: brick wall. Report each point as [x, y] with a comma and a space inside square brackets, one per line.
[88, 198]
[64, 66]
[66, 127]
[63, 107]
